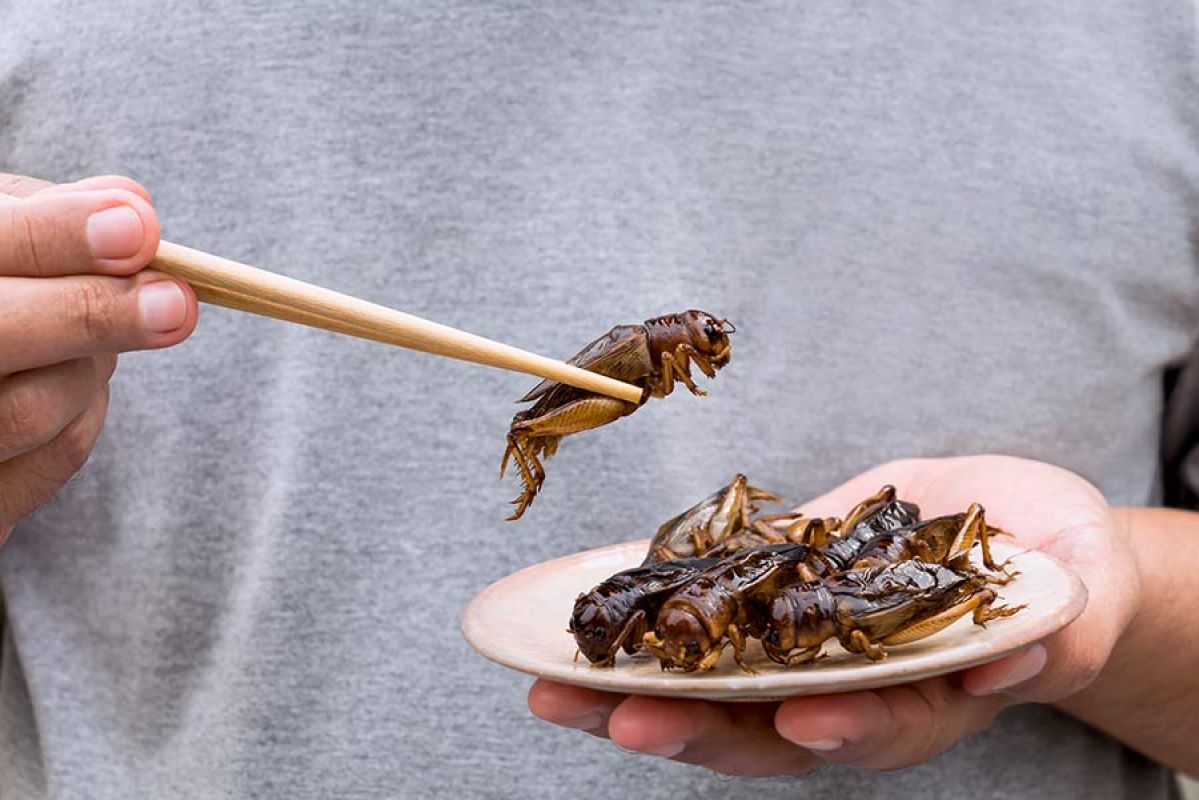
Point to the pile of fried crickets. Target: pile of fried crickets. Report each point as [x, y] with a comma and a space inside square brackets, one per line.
[720, 573]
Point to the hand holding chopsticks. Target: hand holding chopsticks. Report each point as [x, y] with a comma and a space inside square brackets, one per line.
[222, 282]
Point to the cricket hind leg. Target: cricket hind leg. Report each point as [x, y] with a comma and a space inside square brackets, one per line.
[536, 437]
[528, 463]
[975, 529]
[980, 602]
[884, 495]
[987, 611]
[531, 471]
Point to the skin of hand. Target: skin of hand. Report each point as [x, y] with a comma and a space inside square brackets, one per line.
[73, 294]
[1045, 507]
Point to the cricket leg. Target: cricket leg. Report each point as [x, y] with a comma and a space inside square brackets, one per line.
[628, 631]
[674, 369]
[963, 541]
[768, 534]
[820, 532]
[859, 642]
[531, 471]
[709, 661]
[755, 495]
[985, 612]
[542, 434]
[807, 574]
[979, 602]
[802, 655]
[701, 361]
[653, 645]
[975, 529]
[532, 474]
[737, 638]
[883, 495]
[664, 554]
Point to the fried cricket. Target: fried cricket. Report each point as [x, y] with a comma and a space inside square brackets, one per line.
[718, 608]
[868, 610]
[619, 611]
[710, 523]
[653, 355]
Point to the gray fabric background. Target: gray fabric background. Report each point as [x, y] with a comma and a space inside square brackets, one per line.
[941, 229]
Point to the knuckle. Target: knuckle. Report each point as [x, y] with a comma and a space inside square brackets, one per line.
[23, 237]
[93, 308]
[75, 446]
[25, 416]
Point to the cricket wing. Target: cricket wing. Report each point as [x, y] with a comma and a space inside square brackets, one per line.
[621, 353]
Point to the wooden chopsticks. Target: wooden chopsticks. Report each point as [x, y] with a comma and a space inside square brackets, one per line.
[222, 282]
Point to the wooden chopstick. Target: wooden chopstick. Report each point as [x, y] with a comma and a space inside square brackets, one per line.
[227, 283]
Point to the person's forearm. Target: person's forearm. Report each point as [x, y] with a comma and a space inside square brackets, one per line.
[1148, 694]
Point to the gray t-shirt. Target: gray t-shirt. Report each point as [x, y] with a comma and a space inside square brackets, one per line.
[941, 228]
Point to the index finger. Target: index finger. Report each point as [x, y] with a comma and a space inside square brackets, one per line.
[58, 232]
[25, 186]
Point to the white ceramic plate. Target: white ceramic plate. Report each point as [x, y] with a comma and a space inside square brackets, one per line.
[520, 622]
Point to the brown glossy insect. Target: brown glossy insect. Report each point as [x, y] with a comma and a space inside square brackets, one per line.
[880, 513]
[717, 608]
[653, 356]
[868, 610]
[944, 540]
[709, 523]
[619, 611]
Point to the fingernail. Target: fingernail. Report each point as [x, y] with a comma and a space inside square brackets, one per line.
[668, 750]
[584, 722]
[163, 306]
[1023, 667]
[115, 232]
[822, 745]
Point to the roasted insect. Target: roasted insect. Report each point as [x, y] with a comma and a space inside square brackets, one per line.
[709, 522]
[717, 607]
[653, 356]
[942, 540]
[869, 609]
[620, 610]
